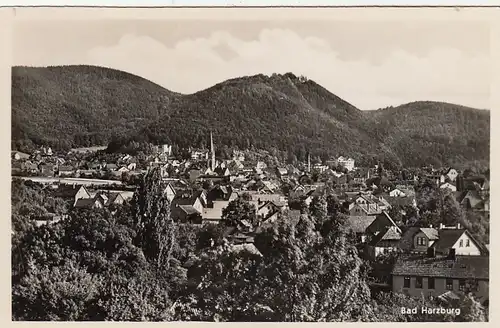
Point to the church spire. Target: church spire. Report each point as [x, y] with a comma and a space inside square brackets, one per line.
[212, 152]
[309, 162]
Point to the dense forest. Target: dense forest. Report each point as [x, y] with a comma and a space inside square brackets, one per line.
[133, 263]
[96, 106]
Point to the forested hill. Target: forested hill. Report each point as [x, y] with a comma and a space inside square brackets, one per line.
[435, 131]
[85, 105]
[71, 106]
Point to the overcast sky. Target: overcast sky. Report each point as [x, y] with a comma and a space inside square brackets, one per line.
[370, 65]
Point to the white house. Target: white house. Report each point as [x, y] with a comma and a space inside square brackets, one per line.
[397, 193]
[348, 163]
[449, 186]
[452, 174]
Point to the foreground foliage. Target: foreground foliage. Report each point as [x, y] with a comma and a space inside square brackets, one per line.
[134, 264]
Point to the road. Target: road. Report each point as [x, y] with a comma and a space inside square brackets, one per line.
[79, 181]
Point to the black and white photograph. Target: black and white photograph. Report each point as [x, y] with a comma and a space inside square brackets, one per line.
[250, 165]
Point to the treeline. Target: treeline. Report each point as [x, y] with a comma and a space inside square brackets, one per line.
[135, 264]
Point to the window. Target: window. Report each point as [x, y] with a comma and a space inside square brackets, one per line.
[449, 284]
[461, 285]
[421, 241]
[430, 283]
[419, 282]
[461, 243]
[407, 282]
[467, 243]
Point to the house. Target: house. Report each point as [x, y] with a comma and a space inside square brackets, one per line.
[86, 173]
[199, 154]
[401, 201]
[109, 198]
[459, 240]
[115, 198]
[17, 155]
[451, 174]
[347, 163]
[418, 240]
[397, 193]
[65, 170]
[90, 203]
[358, 226]
[235, 165]
[281, 171]
[474, 200]
[46, 170]
[30, 167]
[479, 183]
[47, 151]
[436, 178]
[357, 209]
[169, 192]
[268, 208]
[187, 213]
[166, 149]
[449, 186]
[434, 276]
[72, 192]
[381, 222]
[214, 214]
[189, 209]
[222, 172]
[385, 241]
[408, 190]
[111, 167]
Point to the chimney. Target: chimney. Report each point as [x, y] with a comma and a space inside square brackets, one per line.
[452, 254]
[430, 225]
[459, 226]
[431, 252]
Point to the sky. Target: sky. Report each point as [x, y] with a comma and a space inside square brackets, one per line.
[369, 64]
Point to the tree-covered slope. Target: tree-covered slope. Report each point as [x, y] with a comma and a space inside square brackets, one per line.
[436, 132]
[81, 105]
[85, 105]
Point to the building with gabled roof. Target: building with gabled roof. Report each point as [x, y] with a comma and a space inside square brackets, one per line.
[385, 241]
[432, 275]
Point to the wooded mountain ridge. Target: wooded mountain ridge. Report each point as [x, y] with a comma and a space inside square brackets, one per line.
[78, 106]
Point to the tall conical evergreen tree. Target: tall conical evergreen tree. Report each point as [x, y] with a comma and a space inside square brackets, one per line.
[151, 212]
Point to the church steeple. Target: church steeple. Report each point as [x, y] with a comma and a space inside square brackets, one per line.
[309, 162]
[212, 153]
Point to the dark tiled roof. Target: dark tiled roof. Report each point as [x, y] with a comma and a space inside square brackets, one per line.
[463, 267]
[85, 202]
[112, 197]
[401, 201]
[358, 224]
[447, 238]
[389, 233]
[189, 209]
[406, 242]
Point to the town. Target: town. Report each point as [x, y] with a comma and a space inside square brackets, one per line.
[415, 249]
